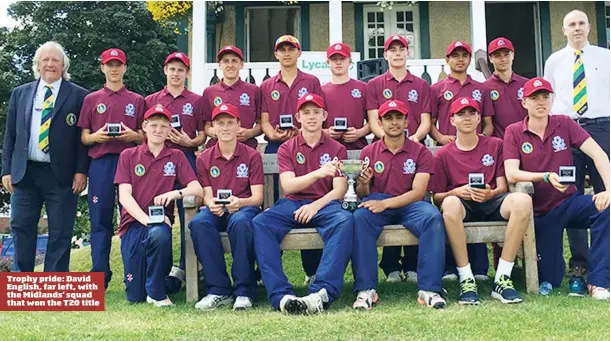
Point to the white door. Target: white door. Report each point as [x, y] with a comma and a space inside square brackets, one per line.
[402, 19]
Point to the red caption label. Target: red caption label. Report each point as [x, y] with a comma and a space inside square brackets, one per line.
[51, 291]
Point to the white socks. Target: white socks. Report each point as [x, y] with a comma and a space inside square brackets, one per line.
[504, 268]
[464, 272]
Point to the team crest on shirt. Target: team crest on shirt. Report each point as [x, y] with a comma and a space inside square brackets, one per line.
[476, 95]
[242, 171]
[275, 95]
[494, 95]
[244, 99]
[169, 169]
[101, 108]
[356, 93]
[527, 148]
[558, 144]
[187, 109]
[521, 93]
[217, 101]
[71, 119]
[215, 171]
[139, 169]
[409, 167]
[302, 92]
[487, 160]
[448, 95]
[412, 96]
[324, 159]
[379, 167]
[387, 93]
[130, 110]
[300, 158]
[129, 277]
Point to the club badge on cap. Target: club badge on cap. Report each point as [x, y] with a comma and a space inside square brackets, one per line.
[501, 42]
[464, 101]
[458, 43]
[338, 47]
[537, 83]
[114, 53]
[392, 104]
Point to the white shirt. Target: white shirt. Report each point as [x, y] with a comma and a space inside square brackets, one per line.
[559, 72]
[35, 153]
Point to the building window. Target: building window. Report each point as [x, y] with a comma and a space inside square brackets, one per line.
[264, 25]
[379, 25]
[607, 17]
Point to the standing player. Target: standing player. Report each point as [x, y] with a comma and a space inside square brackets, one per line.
[113, 104]
[228, 165]
[393, 192]
[147, 176]
[309, 175]
[459, 202]
[245, 96]
[534, 150]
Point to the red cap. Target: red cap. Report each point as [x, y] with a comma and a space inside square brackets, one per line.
[287, 38]
[113, 54]
[456, 45]
[463, 102]
[311, 98]
[394, 38]
[338, 48]
[392, 105]
[229, 49]
[537, 84]
[158, 110]
[178, 56]
[500, 43]
[226, 108]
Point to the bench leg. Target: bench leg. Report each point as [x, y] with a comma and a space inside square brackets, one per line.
[191, 260]
[530, 259]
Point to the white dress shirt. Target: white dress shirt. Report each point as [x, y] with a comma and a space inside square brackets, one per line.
[35, 153]
[559, 72]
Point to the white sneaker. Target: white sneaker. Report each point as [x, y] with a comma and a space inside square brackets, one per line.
[315, 302]
[598, 293]
[431, 299]
[159, 304]
[242, 303]
[309, 280]
[365, 299]
[394, 277]
[211, 302]
[449, 277]
[411, 276]
[481, 278]
[290, 304]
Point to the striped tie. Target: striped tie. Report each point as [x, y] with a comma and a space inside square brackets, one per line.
[580, 95]
[45, 119]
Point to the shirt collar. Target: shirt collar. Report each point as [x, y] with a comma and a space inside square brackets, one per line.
[144, 148]
[216, 153]
[408, 77]
[552, 124]
[166, 92]
[235, 85]
[55, 85]
[301, 141]
[404, 148]
[453, 80]
[111, 92]
[278, 77]
[572, 50]
[512, 79]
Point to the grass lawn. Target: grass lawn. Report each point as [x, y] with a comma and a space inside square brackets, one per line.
[397, 317]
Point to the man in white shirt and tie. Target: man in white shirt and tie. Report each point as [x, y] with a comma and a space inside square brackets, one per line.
[579, 74]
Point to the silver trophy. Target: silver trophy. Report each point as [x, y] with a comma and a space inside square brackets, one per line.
[351, 169]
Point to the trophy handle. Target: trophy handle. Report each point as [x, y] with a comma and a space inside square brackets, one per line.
[365, 164]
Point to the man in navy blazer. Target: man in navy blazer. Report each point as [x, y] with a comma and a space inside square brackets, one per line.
[43, 159]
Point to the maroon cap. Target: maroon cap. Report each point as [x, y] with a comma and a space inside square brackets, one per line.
[228, 109]
[311, 98]
[392, 105]
[394, 38]
[537, 84]
[178, 56]
[158, 110]
[500, 43]
[457, 44]
[463, 102]
[113, 54]
[338, 48]
[229, 49]
[289, 39]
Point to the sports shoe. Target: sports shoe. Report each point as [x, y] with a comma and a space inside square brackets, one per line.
[545, 289]
[242, 303]
[468, 292]
[315, 301]
[309, 280]
[577, 286]
[504, 291]
[365, 299]
[291, 304]
[394, 277]
[411, 276]
[431, 299]
[598, 293]
[159, 304]
[211, 302]
[449, 276]
[178, 273]
[481, 277]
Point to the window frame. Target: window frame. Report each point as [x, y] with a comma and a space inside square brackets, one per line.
[390, 27]
[247, 26]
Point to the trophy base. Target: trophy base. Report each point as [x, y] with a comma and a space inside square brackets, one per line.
[350, 205]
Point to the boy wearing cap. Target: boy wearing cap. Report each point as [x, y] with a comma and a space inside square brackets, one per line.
[310, 177]
[534, 150]
[233, 166]
[147, 176]
[393, 190]
[123, 109]
[345, 99]
[399, 84]
[187, 137]
[455, 163]
[245, 96]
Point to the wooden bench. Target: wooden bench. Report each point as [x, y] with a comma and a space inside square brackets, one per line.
[392, 235]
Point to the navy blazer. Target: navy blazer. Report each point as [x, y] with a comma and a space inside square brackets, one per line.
[68, 155]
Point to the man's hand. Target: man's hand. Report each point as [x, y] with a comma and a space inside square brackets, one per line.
[328, 169]
[234, 204]
[336, 135]
[601, 200]
[166, 198]
[244, 134]
[305, 213]
[554, 179]
[179, 137]
[375, 206]
[351, 135]
[282, 134]
[127, 134]
[78, 183]
[462, 192]
[365, 176]
[167, 221]
[101, 135]
[414, 138]
[480, 195]
[6, 182]
[445, 139]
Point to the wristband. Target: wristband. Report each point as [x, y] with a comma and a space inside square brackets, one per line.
[180, 193]
[546, 177]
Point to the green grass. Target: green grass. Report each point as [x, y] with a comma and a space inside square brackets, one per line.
[396, 317]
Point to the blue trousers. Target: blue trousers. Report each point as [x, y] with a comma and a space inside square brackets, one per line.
[576, 212]
[420, 218]
[147, 260]
[181, 213]
[39, 186]
[335, 226]
[102, 194]
[205, 229]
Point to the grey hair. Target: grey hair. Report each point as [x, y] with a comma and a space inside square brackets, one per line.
[57, 47]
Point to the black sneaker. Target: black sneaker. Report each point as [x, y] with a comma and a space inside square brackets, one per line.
[468, 292]
[504, 291]
[577, 286]
[293, 305]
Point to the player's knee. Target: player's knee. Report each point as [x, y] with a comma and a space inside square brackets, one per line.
[159, 235]
[521, 203]
[452, 208]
